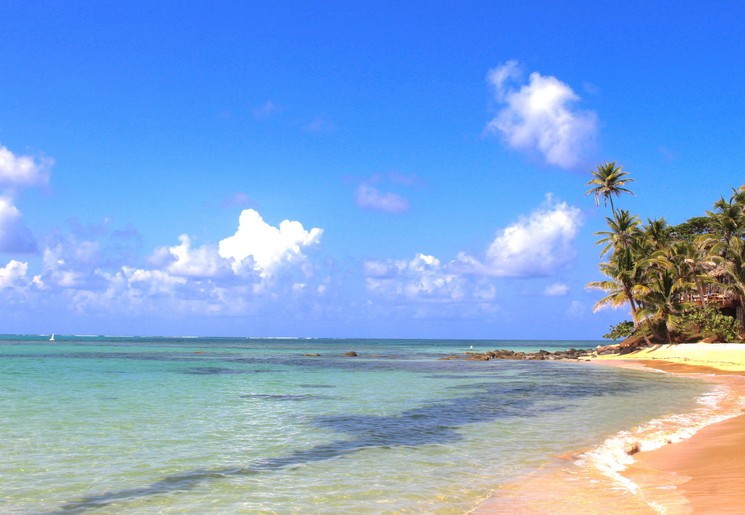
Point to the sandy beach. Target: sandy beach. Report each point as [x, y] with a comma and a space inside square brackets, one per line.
[700, 474]
[706, 470]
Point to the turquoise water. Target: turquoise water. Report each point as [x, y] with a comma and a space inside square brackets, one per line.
[166, 425]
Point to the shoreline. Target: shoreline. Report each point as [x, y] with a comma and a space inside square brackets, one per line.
[685, 463]
[702, 473]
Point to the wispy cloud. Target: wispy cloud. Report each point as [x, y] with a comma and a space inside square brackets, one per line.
[266, 109]
[556, 290]
[541, 115]
[318, 125]
[237, 199]
[368, 196]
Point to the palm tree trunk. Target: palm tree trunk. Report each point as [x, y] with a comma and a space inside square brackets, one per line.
[700, 288]
[634, 316]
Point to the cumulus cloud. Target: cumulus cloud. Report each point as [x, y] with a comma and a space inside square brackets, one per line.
[23, 171]
[536, 245]
[541, 115]
[263, 248]
[14, 235]
[539, 244]
[13, 274]
[183, 260]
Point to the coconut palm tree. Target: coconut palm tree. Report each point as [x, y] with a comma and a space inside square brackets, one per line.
[657, 231]
[621, 242]
[623, 230]
[608, 180]
[727, 217]
[733, 263]
[620, 271]
[661, 294]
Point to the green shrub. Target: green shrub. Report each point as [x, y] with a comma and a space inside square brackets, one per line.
[620, 330]
[711, 323]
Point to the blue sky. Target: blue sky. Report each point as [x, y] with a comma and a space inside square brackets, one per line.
[346, 169]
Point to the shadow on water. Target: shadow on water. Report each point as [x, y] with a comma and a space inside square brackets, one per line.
[429, 424]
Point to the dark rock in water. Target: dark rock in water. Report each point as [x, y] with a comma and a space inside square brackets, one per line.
[350, 354]
[541, 355]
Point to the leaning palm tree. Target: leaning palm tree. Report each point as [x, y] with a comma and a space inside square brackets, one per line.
[618, 286]
[608, 180]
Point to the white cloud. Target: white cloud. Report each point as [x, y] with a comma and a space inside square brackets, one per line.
[541, 115]
[154, 281]
[537, 245]
[263, 248]
[369, 197]
[14, 235]
[556, 290]
[422, 277]
[182, 260]
[23, 171]
[13, 274]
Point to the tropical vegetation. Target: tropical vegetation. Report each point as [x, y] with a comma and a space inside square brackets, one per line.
[681, 283]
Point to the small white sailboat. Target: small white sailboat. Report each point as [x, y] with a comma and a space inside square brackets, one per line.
[52, 338]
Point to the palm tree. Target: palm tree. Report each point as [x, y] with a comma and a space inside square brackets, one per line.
[657, 231]
[620, 272]
[697, 260]
[621, 268]
[608, 180]
[727, 218]
[734, 266]
[662, 293]
[624, 229]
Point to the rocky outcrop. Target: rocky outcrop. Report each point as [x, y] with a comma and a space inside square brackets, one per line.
[541, 355]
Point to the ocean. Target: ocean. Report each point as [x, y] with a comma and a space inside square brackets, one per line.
[94, 424]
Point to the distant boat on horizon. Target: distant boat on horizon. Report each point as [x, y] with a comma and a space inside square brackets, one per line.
[52, 338]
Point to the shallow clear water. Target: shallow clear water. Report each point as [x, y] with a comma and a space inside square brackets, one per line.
[141, 425]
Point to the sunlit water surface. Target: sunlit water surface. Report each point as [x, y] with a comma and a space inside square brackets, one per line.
[156, 425]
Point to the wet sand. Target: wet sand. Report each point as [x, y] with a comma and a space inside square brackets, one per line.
[705, 473]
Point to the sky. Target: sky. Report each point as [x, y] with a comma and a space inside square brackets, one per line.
[347, 169]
